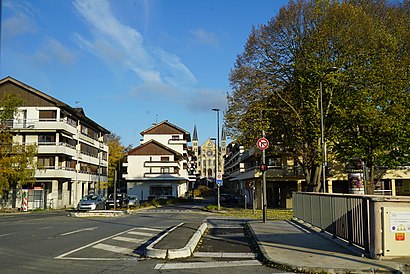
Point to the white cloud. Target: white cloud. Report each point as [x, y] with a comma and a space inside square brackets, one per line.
[203, 36]
[21, 22]
[53, 51]
[125, 44]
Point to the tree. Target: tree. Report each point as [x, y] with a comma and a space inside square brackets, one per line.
[116, 152]
[276, 82]
[17, 161]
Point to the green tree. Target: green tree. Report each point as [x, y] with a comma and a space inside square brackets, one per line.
[276, 82]
[17, 161]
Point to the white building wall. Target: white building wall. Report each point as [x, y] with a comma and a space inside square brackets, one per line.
[165, 140]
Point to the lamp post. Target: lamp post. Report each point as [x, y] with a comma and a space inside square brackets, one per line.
[217, 156]
[322, 127]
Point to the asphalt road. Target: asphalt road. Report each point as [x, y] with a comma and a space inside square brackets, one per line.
[54, 242]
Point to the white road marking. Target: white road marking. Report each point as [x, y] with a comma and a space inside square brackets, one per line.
[100, 259]
[206, 264]
[8, 234]
[129, 240]
[91, 244]
[46, 227]
[79, 230]
[150, 229]
[248, 255]
[116, 249]
[142, 233]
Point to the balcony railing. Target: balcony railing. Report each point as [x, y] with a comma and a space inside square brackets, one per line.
[161, 164]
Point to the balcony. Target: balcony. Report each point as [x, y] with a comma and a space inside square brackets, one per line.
[161, 164]
[56, 148]
[177, 142]
[29, 125]
[55, 172]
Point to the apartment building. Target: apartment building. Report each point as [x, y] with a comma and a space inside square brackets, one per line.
[72, 158]
[160, 167]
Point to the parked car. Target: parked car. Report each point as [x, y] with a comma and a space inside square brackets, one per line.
[133, 200]
[120, 201]
[91, 202]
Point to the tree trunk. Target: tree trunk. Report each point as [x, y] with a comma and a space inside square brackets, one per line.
[370, 183]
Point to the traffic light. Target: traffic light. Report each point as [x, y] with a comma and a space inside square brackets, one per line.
[263, 167]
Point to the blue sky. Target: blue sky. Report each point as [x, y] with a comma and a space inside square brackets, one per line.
[130, 63]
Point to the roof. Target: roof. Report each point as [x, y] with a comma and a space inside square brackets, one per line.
[76, 112]
[166, 127]
[153, 147]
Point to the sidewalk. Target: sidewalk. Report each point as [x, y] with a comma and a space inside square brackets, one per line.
[289, 246]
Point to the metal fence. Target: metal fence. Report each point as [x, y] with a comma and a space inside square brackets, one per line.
[343, 216]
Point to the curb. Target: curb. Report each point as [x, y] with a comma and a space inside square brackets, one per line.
[99, 213]
[184, 252]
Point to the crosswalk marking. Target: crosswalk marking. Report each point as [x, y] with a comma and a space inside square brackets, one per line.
[206, 264]
[116, 249]
[150, 229]
[141, 233]
[129, 240]
[248, 255]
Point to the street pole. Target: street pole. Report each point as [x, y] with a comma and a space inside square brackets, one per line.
[115, 189]
[217, 156]
[322, 127]
[264, 207]
[322, 138]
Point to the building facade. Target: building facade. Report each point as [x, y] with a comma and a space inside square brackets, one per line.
[283, 176]
[206, 156]
[160, 167]
[72, 158]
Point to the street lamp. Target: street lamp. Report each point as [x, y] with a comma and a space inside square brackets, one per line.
[217, 156]
[322, 127]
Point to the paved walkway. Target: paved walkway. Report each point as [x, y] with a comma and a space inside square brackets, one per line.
[291, 247]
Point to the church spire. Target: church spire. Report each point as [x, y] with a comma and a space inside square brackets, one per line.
[195, 135]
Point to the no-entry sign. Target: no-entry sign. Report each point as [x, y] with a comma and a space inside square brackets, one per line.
[262, 143]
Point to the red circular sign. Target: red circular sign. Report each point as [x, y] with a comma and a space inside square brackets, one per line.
[263, 143]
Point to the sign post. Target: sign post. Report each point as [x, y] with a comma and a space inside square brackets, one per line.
[263, 144]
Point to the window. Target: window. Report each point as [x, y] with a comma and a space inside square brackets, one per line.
[275, 161]
[46, 161]
[164, 170]
[46, 138]
[48, 115]
[89, 150]
[160, 190]
[164, 159]
[175, 137]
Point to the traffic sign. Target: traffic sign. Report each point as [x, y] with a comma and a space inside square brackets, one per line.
[263, 143]
[219, 178]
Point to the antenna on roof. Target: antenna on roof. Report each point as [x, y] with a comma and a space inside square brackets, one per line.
[156, 118]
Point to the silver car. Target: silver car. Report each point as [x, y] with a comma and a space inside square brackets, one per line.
[91, 202]
[133, 200]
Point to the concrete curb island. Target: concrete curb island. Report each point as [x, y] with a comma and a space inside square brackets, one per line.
[172, 253]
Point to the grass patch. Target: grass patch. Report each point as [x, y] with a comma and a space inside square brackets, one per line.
[272, 214]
